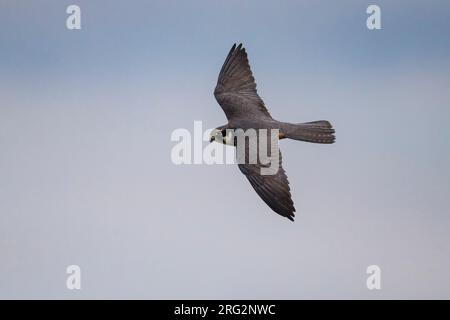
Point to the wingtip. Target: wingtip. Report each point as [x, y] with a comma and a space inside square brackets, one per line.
[237, 48]
[291, 215]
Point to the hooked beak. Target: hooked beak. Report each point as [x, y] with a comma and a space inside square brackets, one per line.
[211, 139]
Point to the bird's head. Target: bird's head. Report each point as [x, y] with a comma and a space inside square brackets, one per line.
[221, 135]
[216, 135]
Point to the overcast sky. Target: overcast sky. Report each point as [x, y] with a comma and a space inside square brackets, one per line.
[86, 176]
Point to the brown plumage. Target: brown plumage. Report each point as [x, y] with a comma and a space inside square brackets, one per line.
[236, 94]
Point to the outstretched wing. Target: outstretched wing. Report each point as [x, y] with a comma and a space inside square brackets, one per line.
[236, 88]
[273, 189]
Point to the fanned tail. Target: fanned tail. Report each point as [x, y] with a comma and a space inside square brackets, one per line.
[316, 132]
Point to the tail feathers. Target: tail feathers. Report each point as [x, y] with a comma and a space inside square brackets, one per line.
[317, 132]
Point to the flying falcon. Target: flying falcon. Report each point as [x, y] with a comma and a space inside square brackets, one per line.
[236, 94]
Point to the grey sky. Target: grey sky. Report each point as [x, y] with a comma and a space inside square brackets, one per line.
[86, 176]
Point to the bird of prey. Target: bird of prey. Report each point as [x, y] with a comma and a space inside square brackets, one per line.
[236, 94]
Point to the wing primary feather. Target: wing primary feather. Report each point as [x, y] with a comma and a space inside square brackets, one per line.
[227, 59]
